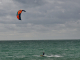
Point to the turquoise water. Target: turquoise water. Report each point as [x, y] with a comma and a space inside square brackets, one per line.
[31, 50]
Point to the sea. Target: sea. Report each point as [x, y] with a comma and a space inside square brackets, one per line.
[32, 49]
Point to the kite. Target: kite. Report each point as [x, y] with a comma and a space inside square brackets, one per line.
[19, 14]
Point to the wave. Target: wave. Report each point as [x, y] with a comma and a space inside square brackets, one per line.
[53, 56]
[48, 56]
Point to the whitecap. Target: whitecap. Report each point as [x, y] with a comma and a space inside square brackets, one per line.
[57, 56]
[53, 56]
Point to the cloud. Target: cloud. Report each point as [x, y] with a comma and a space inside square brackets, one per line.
[43, 19]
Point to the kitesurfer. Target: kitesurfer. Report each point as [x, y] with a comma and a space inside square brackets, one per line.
[43, 53]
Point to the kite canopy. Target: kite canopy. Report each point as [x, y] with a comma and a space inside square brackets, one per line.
[19, 14]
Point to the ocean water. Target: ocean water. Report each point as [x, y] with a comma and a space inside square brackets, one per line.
[32, 49]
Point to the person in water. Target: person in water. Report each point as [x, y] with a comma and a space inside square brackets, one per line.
[43, 53]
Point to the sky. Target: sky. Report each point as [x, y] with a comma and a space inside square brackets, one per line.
[43, 19]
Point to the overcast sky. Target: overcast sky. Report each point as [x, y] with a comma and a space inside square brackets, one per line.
[43, 19]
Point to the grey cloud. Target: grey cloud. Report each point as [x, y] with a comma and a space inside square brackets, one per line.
[30, 3]
[55, 17]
